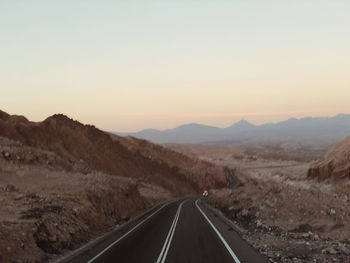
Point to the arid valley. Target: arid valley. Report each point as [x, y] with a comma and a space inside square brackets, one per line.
[174, 131]
[63, 183]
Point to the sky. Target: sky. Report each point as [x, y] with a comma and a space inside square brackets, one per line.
[129, 65]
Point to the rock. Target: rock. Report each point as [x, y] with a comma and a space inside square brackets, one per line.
[259, 223]
[330, 250]
[10, 188]
[19, 197]
[305, 235]
[7, 155]
[334, 164]
[332, 212]
[303, 228]
[343, 249]
[245, 212]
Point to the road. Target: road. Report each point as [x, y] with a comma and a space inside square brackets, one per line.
[180, 231]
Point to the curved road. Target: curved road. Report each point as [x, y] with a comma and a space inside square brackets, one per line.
[179, 231]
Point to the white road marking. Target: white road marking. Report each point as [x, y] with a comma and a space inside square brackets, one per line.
[115, 242]
[235, 258]
[168, 237]
[165, 249]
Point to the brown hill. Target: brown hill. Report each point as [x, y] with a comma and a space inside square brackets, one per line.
[203, 173]
[334, 164]
[111, 154]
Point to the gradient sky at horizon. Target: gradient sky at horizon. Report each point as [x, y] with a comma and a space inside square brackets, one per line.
[130, 65]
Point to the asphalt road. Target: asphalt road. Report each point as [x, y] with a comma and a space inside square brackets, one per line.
[180, 231]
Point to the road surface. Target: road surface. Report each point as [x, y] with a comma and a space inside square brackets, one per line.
[180, 231]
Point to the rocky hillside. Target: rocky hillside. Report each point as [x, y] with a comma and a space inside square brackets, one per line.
[46, 209]
[98, 150]
[63, 183]
[335, 164]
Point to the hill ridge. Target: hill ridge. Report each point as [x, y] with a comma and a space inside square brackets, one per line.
[330, 129]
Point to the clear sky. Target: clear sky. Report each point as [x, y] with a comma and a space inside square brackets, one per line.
[128, 65]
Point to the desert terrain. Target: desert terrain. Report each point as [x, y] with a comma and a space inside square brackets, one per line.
[63, 183]
[291, 201]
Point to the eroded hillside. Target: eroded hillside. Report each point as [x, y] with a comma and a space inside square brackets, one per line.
[335, 164]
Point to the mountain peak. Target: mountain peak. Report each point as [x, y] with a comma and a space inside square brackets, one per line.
[63, 119]
[242, 124]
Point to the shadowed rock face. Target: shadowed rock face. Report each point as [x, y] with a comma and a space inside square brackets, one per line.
[101, 151]
[3, 115]
[334, 164]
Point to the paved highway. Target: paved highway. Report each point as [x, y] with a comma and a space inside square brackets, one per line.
[179, 231]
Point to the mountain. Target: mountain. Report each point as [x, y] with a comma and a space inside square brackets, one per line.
[309, 129]
[111, 154]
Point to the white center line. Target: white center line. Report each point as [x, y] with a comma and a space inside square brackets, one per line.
[164, 252]
[235, 258]
[115, 242]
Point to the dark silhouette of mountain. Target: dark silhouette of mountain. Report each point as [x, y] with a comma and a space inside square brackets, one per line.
[309, 129]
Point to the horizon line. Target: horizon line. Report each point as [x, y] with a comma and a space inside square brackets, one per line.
[225, 127]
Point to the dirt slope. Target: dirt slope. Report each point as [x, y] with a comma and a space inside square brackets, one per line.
[205, 174]
[335, 164]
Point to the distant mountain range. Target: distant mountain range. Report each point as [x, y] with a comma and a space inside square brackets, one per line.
[309, 129]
